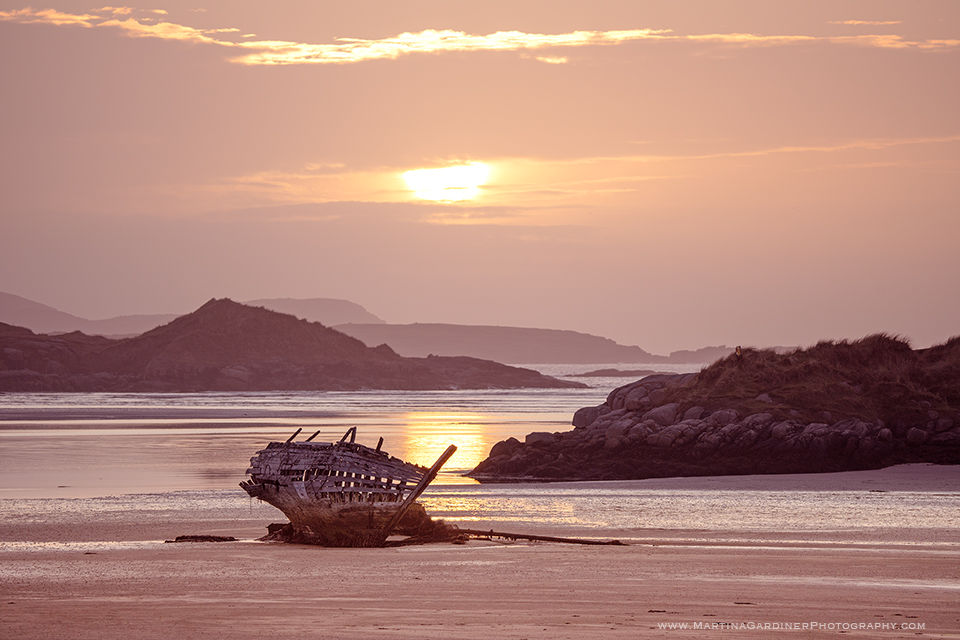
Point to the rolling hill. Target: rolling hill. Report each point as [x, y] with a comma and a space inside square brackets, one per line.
[225, 345]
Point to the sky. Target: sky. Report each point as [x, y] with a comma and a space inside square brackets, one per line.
[670, 175]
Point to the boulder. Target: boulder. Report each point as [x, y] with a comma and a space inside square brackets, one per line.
[746, 439]
[636, 399]
[783, 430]
[505, 447]
[663, 415]
[757, 420]
[539, 438]
[916, 437]
[614, 432]
[585, 417]
[639, 431]
[724, 417]
[625, 422]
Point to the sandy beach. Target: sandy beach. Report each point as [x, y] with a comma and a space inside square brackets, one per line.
[70, 577]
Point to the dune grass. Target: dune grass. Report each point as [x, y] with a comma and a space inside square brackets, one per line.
[879, 377]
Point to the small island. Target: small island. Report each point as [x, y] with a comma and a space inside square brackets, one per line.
[613, 373]
[837, 406]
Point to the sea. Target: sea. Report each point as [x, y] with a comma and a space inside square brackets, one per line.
[106, 455]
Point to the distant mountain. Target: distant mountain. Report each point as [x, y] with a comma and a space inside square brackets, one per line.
[512, 345]
[515, 345]
[227, 346]
[41, 318]
[21, 312]
[328, 311]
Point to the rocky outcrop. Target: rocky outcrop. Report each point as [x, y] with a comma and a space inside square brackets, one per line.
[226, 346]
[747, 416]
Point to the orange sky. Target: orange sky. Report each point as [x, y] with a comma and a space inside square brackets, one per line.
[671, 175]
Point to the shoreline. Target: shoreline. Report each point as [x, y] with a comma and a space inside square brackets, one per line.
[902, 477]
[478, 590]
[67, 572]
[152, 516]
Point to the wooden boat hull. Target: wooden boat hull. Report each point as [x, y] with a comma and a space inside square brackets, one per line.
[332, 523]
[341, 494]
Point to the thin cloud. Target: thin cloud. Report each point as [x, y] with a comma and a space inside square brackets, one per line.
[354, 50]
[938, 44]
[552, 60]
[749, 39]
[872, 23]
[349, 50]
[126, 11]
[123, 11]
[345, 50]
[868, 144]
[49, 16]
[939, 166]
[538, 184]
[164, 30]
[884, 41]
[473, 215]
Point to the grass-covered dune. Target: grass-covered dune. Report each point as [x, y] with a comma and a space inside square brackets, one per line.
[835, 406]
[877, 378]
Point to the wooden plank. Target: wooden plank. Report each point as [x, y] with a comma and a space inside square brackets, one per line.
[336, 467]
[410, 499]
[348, 460]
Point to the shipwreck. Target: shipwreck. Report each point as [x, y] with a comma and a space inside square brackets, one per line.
[343, 494]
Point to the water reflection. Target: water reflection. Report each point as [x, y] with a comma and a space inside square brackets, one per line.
[637, 513]
[586, 505]
[112, 456]
[428, 434]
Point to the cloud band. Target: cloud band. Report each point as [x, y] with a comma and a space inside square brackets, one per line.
[354, 50]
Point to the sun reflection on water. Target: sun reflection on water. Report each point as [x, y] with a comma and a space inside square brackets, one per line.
[429, 434]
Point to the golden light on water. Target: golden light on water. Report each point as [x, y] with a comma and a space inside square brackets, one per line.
[451, 184]
[429, 434]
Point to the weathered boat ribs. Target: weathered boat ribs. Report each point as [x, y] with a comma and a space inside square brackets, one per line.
[342, 493]
[339, 468]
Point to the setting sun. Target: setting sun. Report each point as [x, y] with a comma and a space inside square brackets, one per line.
[456, 183]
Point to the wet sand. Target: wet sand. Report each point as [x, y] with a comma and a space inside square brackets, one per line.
[115, 579]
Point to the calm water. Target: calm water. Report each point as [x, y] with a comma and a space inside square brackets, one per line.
[79, 445]
[102, 455]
